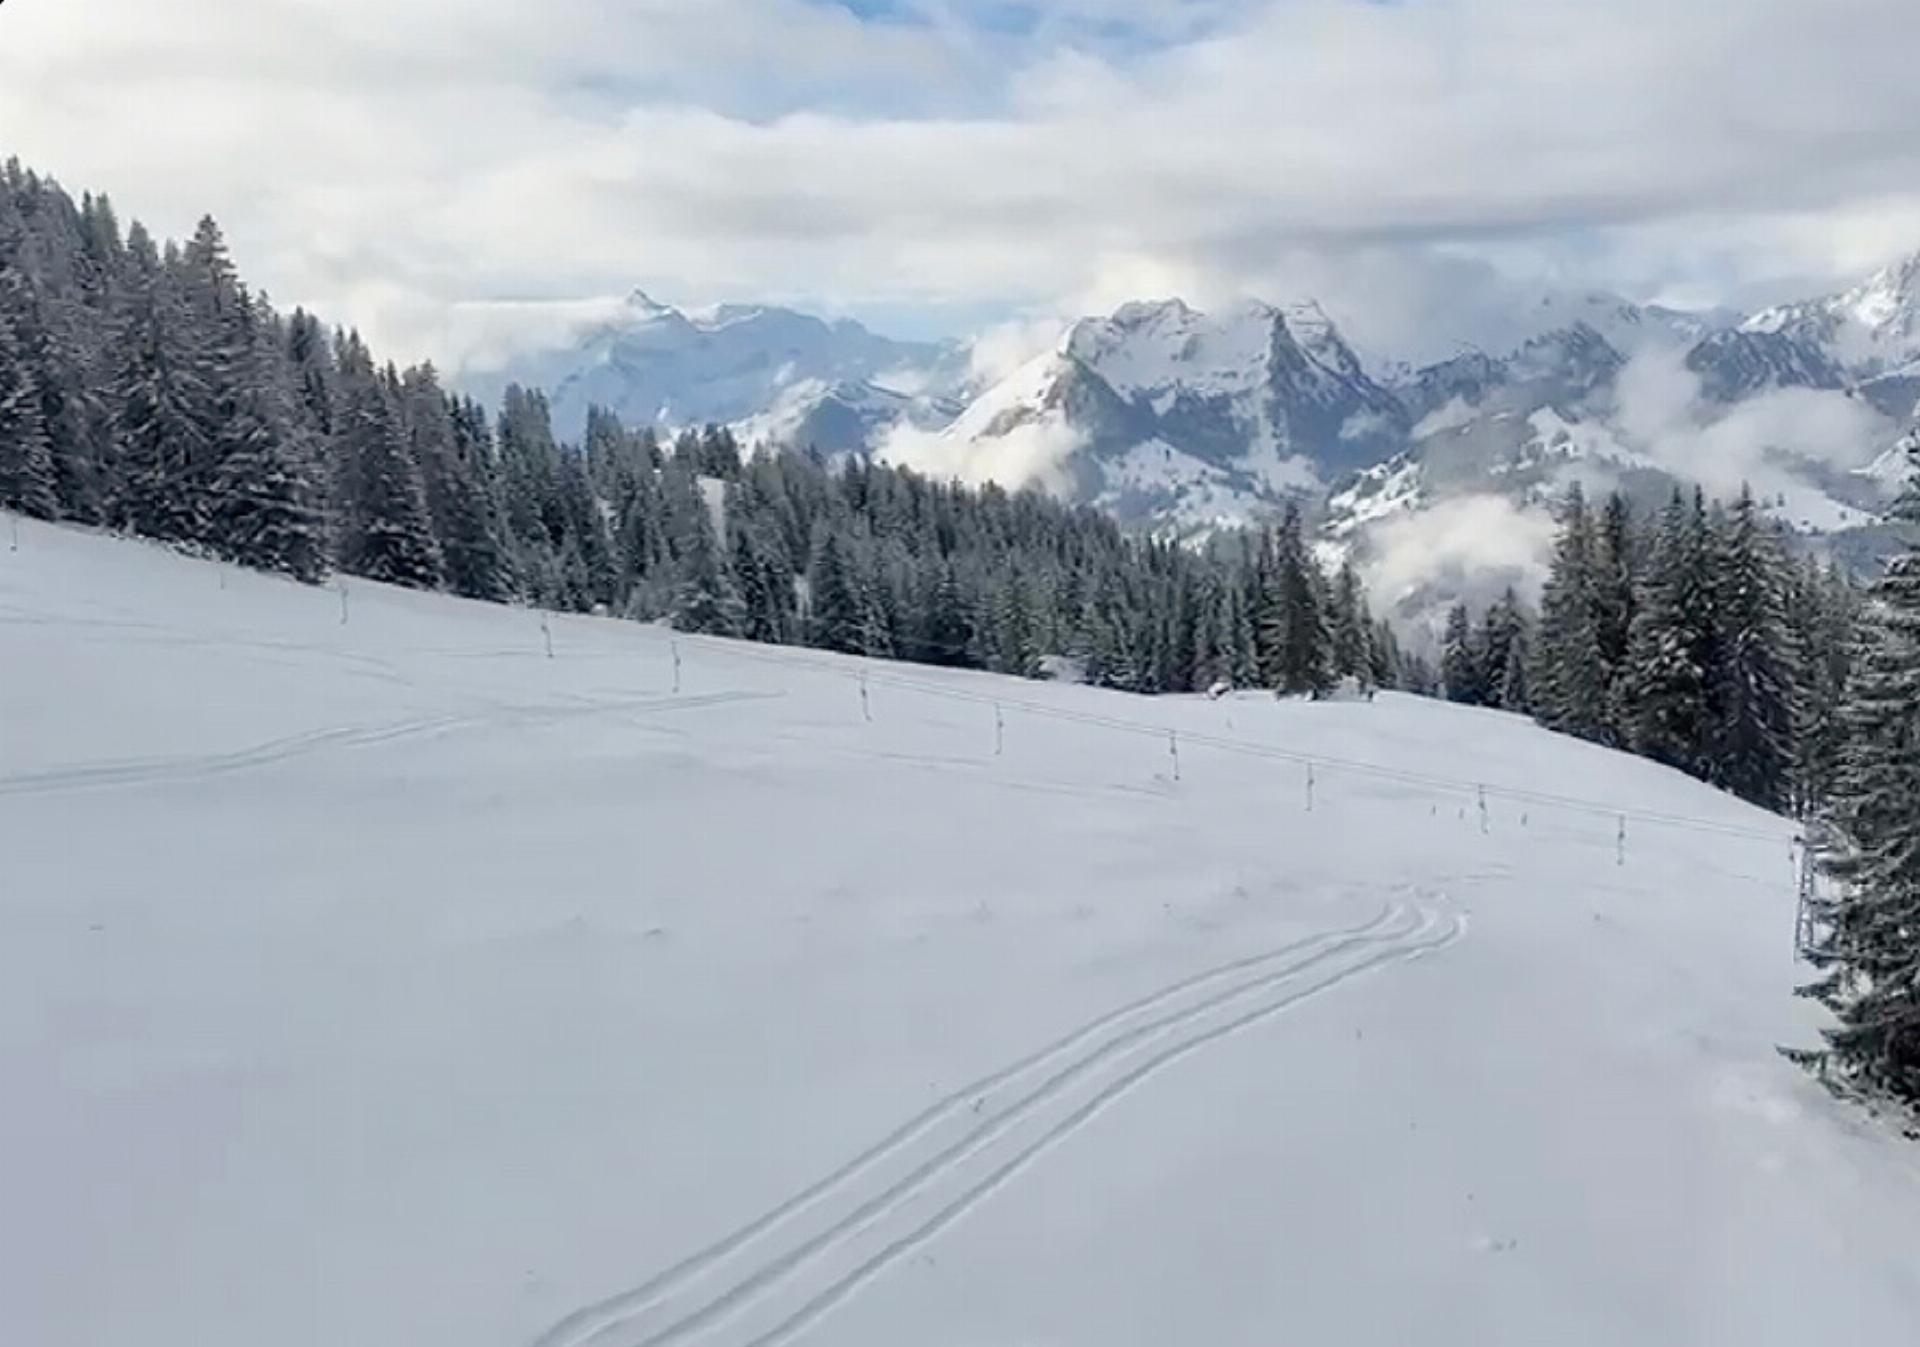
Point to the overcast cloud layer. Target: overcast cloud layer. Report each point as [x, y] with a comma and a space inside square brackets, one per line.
[936, 165]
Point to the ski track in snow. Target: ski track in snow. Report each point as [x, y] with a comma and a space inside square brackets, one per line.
[799, 1282]
[174, 770]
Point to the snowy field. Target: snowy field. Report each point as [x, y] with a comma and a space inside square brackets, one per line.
[392, 984]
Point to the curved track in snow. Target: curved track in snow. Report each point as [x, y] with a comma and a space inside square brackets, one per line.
[774, 1278]
[200, 767]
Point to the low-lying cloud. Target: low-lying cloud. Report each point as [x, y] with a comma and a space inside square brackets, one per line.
[1036, 453]
[1471, 545]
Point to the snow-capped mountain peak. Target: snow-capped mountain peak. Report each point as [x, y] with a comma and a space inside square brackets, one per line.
[1190, 418]
[1874, 327]
[1149, 349]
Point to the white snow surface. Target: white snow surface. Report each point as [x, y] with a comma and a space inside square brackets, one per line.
[391, 983]
[1873, 327]
[1165, 347]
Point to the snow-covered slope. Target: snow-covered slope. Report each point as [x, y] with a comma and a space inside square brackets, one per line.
[775, 368]
[1872, 328]
[392, 983]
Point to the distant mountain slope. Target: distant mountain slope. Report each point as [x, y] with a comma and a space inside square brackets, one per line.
[653, 364]
[1183, 420]
[1190, 419]
[1872, 328]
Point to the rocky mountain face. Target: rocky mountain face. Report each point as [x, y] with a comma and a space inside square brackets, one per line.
[1163, 414]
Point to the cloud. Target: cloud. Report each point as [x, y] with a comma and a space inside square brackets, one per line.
[1417, 165]
[1471, 546]
[1035, 453]
[999, 350]
[1764, 441]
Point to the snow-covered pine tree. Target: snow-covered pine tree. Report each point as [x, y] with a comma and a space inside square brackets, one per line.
[706, 599]
[946, 623]
[1870, 948]
[1514, 692]
[261, 497]
[1616, 564]
[311, 357]
[26, 460]
[1017, 648]
[1243, 666]
[1665, 704]
[264, 496]
[72, 410]
[1461, 660]
[1568, 680]
[529, 467]
[1751, 690]
[1299, 639]
[1823, 614]
[47, 349]
[384, 531]
[1501, 632]
[837, 619]
[1211, 640]
[762, 613]
[1351, 626]
[450, 455]
[1388, 662]
[161, 441]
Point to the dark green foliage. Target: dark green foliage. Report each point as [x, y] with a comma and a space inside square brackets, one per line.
[1296, 637]
[1751, 688]
[1869, 951]
[384, 531]
[1462, 660]
[1570, 680]
[706, 601]
[1666, 705]
[26, 459]
[1734, 664]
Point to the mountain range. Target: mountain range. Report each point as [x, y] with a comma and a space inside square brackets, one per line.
[1186, 421]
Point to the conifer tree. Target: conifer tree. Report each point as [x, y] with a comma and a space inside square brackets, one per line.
[1299, 638]
[1672, 649]
[160, 399]
[1351, 627]
[1503, 631]
[1823, 616]
[384, 532]
[707, 600]
[1461, 660]
[1870, 950]
[452, 455]
[26, 461]
[838, 617]
[1569, 682]
[1751, 690]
